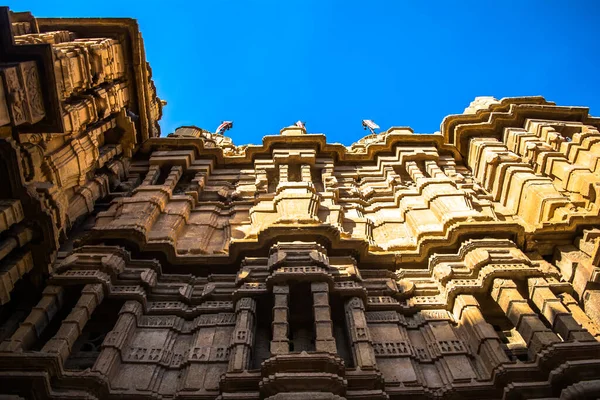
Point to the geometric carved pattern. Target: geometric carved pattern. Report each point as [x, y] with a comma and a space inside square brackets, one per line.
[462, 264]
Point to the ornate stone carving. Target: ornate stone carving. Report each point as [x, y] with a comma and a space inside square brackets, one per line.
[461, 264]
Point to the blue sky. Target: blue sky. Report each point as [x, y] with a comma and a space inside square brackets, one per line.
[266, 64]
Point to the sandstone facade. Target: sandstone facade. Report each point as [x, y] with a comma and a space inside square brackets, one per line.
[460, 264]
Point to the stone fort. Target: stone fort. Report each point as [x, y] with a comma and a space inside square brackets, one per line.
[463, 264]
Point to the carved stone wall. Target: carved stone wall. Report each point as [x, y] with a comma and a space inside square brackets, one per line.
[460, 264]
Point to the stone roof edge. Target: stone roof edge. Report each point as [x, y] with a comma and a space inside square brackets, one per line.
[507, 112]
[392, 138]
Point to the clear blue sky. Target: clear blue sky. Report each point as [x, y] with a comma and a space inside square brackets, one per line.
[266, 64]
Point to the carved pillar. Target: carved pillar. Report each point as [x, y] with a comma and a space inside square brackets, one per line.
[152, 175]
[434, 170]
[11, 212]
[262, 181]
[404, 366]
[579, 315]
[280, 343]
[7, 245]
[362, 345]
[305, 172]
[527, 322]
[13, 269]
[330, 182]
[175, 174]
[37, 320]
[116, 339]
[85, 197]
[413, 170]
[242, 338]
[283, 173]
[171, 180]
[556, 313]
[72, 326]
[454, 365]
[322, 313]
[482, 338]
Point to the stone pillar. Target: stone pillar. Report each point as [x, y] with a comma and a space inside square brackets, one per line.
[322, 313]
[434, 170]
[444, 345]
[151, 176]
[13, 269]
[17, 237]
[532, 329]
[116, 340]
[262, 180]
[280, 342]
[175, 174]
[556, 313]
[579, 315]
[305, 172]
[85, 196]
[413, 170]
[72, 326]
[37, 320]
[404, 364]
[482, 338]
[242, 339]
[283, 173]
[362, 345]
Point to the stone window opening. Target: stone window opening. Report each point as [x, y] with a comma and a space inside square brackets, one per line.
[86, 348]
[70, 297]
[317, 178]
[263, 331]
[340, 330]
[272, 179]
[5, 177]
[302, 335]
[524, 292]
[423, 168]
[513, 344]
[536, 309]
[165, 170]
[294, 173]
[402, 173]
[22, 299]
[113, 136]
[567, 131]
[185, 183]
